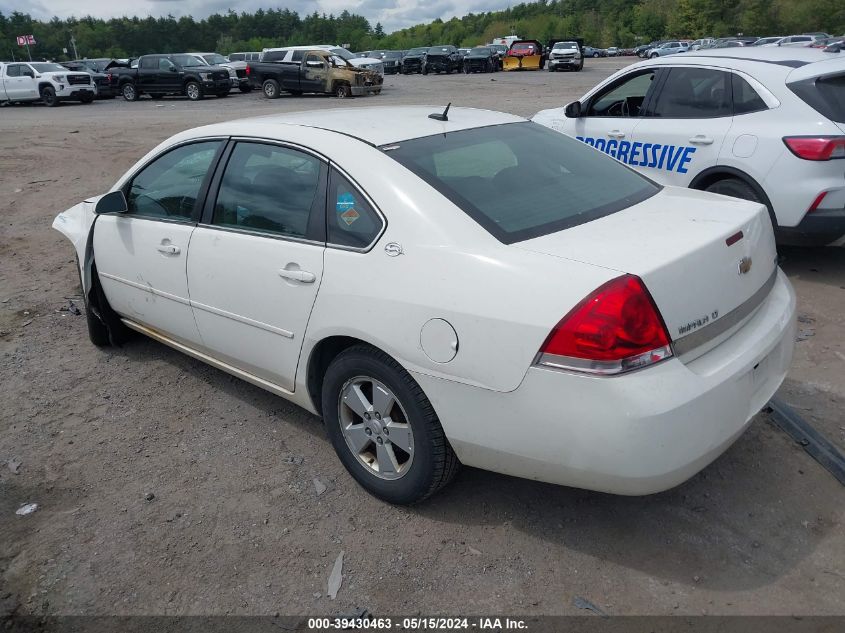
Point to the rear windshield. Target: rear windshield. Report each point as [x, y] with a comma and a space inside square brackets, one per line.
[826, 95]
[523, 180]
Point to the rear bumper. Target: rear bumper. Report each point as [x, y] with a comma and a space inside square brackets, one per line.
[819, 227]
[636, 434]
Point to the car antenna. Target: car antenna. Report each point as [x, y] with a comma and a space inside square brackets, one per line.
[441, 117]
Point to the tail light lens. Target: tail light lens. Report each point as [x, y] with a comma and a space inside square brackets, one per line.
[816, 147]
[614, 330]
[248, 70]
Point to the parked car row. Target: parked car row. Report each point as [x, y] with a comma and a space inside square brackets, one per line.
[671, 47]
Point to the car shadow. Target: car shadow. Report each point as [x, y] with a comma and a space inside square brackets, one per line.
[744, 521]
[824, 265]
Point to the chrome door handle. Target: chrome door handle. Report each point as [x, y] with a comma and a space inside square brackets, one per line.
[169, 249]
[616, 134]
[298, 275]
[700, 139]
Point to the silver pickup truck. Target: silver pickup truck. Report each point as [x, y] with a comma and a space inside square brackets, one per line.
[43, 81]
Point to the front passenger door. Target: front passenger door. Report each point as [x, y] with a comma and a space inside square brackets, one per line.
[612, 114]
[141, 254]
[256, 261]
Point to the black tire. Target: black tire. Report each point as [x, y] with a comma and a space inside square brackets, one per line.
[48, 96]
[434, 462]
[87, 98]
[342, 91]
[270, 88]
[194, 91]
[130, 92]
[245, 88]
[104, 325]
[737, 188]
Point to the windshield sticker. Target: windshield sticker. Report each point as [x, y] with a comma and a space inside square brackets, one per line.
[652, 155]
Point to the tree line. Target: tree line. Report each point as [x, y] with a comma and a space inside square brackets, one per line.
[598, 22]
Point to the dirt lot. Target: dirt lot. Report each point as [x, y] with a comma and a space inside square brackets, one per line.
[236, 526]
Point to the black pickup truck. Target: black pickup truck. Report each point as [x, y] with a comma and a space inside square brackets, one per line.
[160, 75]
[318, 71]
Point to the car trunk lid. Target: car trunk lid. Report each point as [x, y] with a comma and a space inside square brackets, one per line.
[708, 261]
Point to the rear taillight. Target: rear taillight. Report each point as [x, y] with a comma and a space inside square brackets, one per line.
[816, 147]
[616, 329]
[248, 70]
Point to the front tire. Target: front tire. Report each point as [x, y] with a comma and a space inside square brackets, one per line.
[342, 91]
[87, 98]
[193, 91]
[48, 96]
[383, 427]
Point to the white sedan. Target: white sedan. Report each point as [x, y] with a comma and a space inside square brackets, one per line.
[470, 288]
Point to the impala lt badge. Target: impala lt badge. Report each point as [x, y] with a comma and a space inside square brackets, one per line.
[744, 265]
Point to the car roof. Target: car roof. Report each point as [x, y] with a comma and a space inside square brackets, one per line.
[779, 60]
[375, 125]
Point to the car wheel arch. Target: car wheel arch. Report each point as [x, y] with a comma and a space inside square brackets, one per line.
[714, 174]
[321, 356]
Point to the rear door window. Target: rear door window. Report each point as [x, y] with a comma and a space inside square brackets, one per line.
[694, 93]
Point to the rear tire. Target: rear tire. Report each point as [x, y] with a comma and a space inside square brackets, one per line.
[270, 88]
[48, 96]
[378, 462]
[736, 188]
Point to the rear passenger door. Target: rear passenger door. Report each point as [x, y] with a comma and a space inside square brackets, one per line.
[685, 126]
[256, 260]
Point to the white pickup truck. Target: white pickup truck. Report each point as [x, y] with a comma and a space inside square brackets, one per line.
[43, 81]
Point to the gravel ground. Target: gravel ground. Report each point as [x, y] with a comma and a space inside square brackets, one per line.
[167, 487]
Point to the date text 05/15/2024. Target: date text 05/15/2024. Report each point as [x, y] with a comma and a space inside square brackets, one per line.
[653, 155]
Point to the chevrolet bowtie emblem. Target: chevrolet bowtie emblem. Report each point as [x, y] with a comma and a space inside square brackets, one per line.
[744, 265]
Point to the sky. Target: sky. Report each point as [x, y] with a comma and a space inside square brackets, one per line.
[393, 14]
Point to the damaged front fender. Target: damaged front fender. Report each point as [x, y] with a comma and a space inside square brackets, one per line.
[76, 225]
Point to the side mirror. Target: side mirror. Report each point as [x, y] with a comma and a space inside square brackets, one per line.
[113, 202]
[173, 69]
[573, 110]
[314, 64]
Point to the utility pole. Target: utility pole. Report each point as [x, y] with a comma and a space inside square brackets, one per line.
[28, 52]
[73, 45]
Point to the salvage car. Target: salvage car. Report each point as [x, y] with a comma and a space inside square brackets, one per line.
[319, 71]
[442, 59]
[446, 287]
[525, 55]
[414, 60]
[52, 84]
[768, 126]
[481, 59]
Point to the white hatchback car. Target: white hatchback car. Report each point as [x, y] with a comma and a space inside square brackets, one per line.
[766, 125]
[444, 288]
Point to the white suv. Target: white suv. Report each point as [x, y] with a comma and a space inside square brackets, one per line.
[768, 126]
[295, 53]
